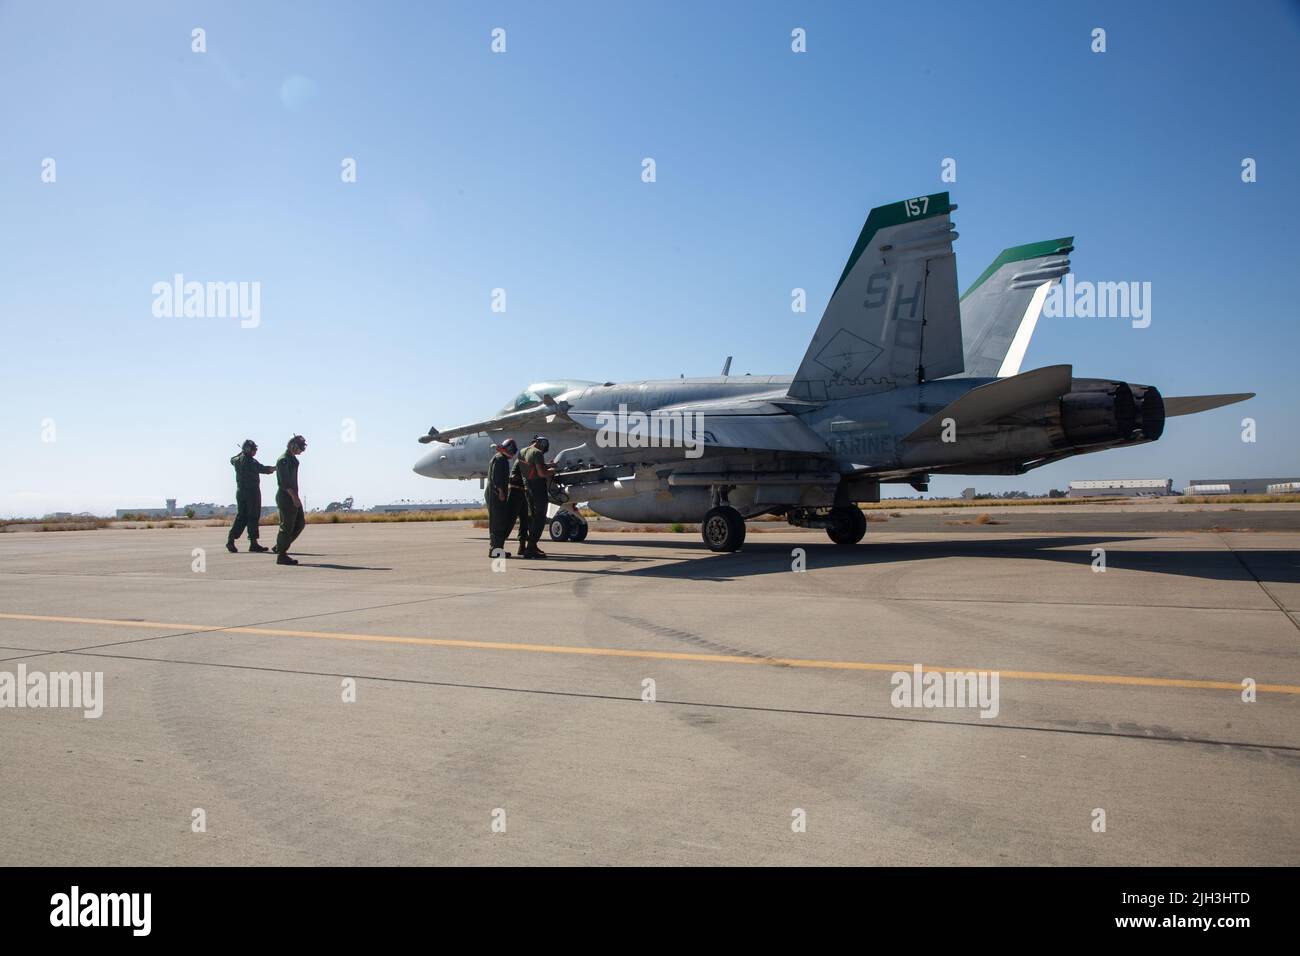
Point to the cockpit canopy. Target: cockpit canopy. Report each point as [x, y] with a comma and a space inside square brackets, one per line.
[532, 395]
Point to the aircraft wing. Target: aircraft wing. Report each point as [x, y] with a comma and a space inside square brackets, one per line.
[721, 424]
[539, 415]
[987, 403]
[1191, 404]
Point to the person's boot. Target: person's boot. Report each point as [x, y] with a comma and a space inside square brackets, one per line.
[285, 559]
[230, 546]
[535, 552]
[523, 550]
[258, 548]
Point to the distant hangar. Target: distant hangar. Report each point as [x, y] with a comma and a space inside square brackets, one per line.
[1243, 486]
[1160, 487]
[1121, 487]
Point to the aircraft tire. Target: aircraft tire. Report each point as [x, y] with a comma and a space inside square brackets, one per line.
[848, 525]
[581, 533]
[723, 529]
[561, 527]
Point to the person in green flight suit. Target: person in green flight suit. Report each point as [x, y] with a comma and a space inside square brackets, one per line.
[500, 518]
[535, 472]
[292, 518]
[516, 502]
[248, 496]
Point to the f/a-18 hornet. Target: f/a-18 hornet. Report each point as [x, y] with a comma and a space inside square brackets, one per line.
[902, 380]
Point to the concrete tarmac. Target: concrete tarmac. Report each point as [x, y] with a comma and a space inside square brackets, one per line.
[499, 716]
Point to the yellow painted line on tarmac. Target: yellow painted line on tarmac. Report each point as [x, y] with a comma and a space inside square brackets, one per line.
[1110, 679]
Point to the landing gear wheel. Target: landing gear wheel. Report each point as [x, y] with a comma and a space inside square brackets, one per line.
[848, 525]
[723, 529]
[581, 533]
[562, 527]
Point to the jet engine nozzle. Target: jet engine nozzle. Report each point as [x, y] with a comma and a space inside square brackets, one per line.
[1151, 410]
[1100, 412]
[1099, 415]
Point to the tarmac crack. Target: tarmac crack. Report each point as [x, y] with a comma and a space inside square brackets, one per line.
[1249, 570]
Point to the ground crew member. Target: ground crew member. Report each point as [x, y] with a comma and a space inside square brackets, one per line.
[517, 481]
[292, 518]
[516, 502]
[535, 472]
[248, 496]
[498, 497]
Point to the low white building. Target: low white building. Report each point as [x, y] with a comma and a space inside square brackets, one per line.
[1120, 487]
[1238, 486]
[399, 506]
[201, 509]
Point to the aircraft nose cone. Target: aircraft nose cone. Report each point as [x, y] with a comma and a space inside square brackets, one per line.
[432, 464]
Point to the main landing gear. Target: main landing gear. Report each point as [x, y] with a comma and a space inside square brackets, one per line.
[848, 525]
[723, 528]
[845, 524]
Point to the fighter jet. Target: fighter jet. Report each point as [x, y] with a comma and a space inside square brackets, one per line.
[902, 380]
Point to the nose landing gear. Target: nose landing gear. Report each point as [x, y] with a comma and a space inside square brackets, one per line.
[568, 526]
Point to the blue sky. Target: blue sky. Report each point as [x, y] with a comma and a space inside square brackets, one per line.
[522, 171]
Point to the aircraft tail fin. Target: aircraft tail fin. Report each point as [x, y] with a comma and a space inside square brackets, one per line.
[1000, 310]
[893, 318]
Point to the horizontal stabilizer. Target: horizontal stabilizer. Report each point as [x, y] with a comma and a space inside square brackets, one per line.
[988, 403]
[1191, 404]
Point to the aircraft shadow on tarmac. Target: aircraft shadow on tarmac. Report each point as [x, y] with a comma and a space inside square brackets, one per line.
[759, 557]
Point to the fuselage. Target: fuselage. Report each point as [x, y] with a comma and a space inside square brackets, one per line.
[468, 457]
[864, 438]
